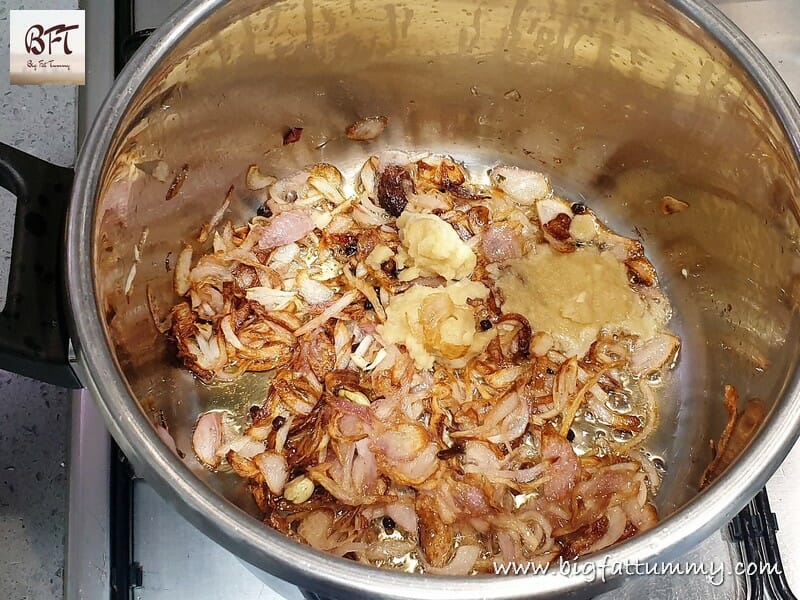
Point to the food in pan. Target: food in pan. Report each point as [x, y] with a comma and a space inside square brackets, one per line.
[463, 369]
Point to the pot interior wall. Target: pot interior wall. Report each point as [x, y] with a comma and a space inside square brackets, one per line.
[619, 102]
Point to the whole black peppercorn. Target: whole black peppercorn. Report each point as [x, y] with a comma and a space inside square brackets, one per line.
[388, 524]
[264, 211]
[278, 422]
[570, 435]
[350, 248]
[486, 325]
[578, 208]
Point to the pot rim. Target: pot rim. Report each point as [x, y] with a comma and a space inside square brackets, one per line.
[302, 565]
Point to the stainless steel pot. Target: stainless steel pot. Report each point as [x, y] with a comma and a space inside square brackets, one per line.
[620, 101]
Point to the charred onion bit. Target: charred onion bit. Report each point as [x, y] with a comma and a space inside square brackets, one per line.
[394, 184]
[436, 537]
[670, 205]
[559, 227]
[557, 233]
[739, 430]
[451, 452]
[642, 272]
[446, 175]
[367, 128]
[177, 183]
[292, 135]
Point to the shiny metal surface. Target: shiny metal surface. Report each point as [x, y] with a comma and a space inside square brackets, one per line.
[621, 102]
[774, 25]
[170, 551]
[99, 62]
[87, 565]
[782, 489]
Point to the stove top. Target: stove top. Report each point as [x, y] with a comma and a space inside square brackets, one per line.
[124, 538]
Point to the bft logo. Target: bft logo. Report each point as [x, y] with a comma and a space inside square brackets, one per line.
[47, 46]
[37, 35]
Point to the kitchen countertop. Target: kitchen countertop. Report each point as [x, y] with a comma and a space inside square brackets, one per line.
[34, 426]
[34, 417]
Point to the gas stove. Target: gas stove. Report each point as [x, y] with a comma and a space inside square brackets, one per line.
[125, 542]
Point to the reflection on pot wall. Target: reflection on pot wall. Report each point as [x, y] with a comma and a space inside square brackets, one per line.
[620, 102]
